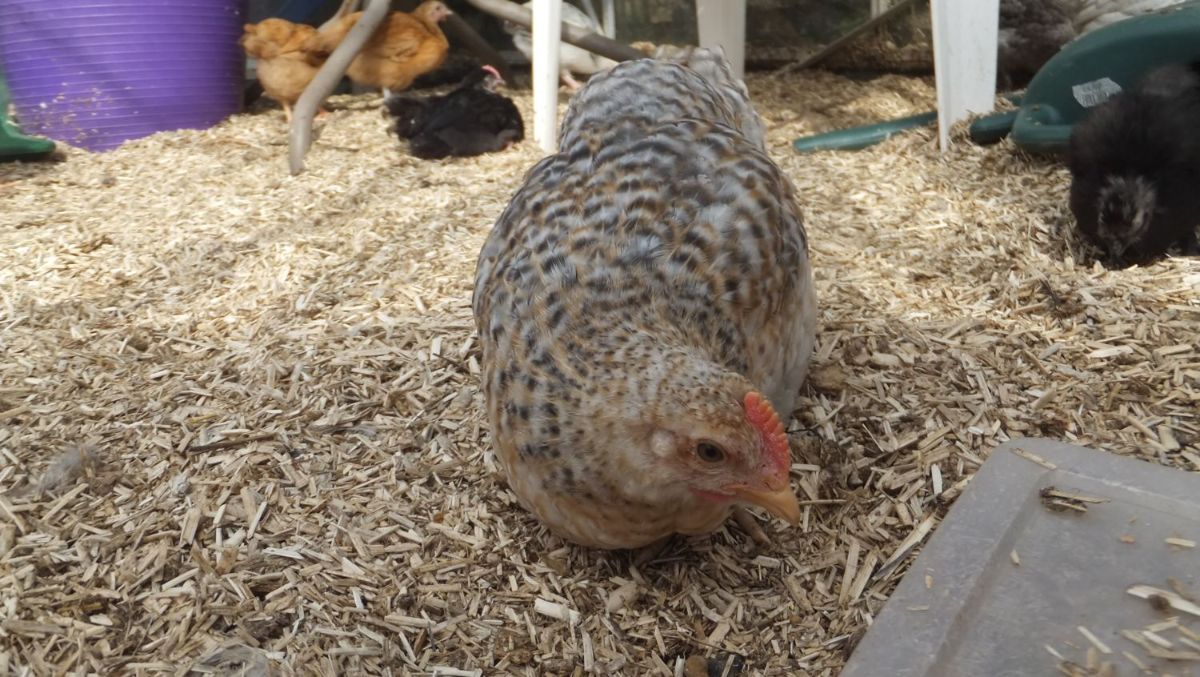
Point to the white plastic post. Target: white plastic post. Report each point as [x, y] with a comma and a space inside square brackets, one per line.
[609, 18]
[964, 58]
[547, 32]
[723, 23]
[589, 8]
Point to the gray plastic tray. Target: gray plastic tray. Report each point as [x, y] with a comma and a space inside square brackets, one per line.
[966, 607]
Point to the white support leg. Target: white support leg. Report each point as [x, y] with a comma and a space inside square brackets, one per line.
[547, 31]
[723, 23]
[589, 8]
[964, 58]
[609, 18]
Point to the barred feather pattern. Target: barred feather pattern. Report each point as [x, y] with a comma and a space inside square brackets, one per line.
[655, 269]
[636, 95]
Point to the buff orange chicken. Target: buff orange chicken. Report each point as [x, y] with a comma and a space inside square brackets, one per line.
[285, 64]
[403, 48]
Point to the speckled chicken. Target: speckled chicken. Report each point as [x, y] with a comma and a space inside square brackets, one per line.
[645, 308]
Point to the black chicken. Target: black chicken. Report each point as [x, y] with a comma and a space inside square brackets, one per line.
[1135, 168]
[470, 120]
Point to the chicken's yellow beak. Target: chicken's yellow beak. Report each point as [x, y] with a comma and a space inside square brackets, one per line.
[780, 502]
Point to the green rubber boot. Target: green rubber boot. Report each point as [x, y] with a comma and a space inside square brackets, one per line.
[13, 144]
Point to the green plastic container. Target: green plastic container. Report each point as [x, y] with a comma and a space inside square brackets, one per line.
[1091, 69]
[13, 144]
[1084, 74]
[857, 138]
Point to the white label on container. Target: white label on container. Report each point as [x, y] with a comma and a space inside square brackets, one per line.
[1094, 93]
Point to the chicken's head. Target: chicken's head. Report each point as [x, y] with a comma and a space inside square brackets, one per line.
[727, 447]
[1125, 211]
[432, 11]
[492, 80]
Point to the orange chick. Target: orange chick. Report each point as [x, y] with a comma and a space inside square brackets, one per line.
[404, 47]
[285, 65]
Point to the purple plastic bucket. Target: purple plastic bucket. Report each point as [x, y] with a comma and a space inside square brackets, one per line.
[96, 73]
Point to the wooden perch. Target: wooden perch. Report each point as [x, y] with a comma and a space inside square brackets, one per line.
[326, 80]
[584, 39]
[821, 54]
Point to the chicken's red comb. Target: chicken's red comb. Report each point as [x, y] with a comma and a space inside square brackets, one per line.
[492, 70]
[762, 416]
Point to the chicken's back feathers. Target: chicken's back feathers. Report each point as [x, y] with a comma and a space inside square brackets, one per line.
[1152, 113]
[476, 108]
[658, 254]
[401, 37]
[472, 123]
[638, 95]
[272, 38]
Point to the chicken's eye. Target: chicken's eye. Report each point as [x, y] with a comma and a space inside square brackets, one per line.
[710, 453]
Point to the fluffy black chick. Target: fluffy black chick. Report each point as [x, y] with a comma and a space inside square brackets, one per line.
[1135, 168]
[470, 120]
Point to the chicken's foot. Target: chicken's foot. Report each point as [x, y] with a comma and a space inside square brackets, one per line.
[751, 526]
[572, 85]
[648, 553]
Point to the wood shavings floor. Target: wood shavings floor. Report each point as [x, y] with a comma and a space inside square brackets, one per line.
[239, 409]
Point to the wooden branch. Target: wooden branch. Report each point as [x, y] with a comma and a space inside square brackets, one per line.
[834, 46]
[584, 39]
[327, 78]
